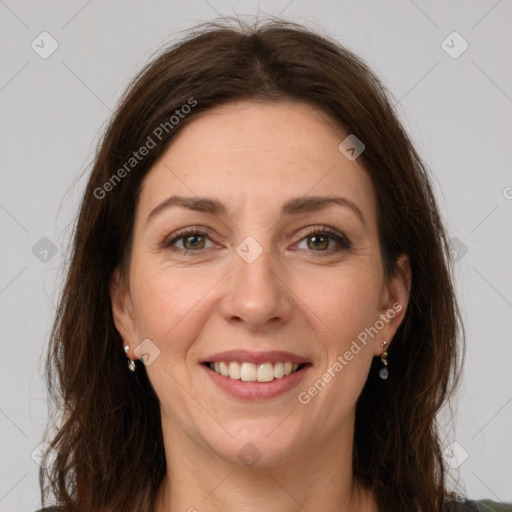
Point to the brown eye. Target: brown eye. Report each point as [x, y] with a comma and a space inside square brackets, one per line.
[189, 241]
[318, 242]
[192, 242]
[324, 240]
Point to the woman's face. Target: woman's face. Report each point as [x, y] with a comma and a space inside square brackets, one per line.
[256, 246]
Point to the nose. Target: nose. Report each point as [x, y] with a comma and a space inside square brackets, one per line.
[257, 294]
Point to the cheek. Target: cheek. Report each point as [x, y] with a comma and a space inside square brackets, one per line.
[167, 301]
[343, 305]
[343, 301]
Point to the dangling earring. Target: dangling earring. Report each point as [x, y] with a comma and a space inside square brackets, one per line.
[383, 372]
[131, 362]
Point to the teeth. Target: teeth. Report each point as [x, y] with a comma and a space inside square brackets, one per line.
[279, 370]
[249, 372]
[234, 370]
[224, 369]
[265, 372]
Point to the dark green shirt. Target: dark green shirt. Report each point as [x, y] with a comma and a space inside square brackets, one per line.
[491, 506]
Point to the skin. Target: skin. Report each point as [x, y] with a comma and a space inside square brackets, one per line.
[309, 300]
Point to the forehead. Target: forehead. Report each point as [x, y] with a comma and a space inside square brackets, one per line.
[256, 154]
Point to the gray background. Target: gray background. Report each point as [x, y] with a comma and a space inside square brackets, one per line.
[458, 111]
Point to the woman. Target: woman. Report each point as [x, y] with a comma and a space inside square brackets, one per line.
[259, 312]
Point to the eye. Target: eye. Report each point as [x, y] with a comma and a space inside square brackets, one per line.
[324, 240]
[319, 239]
[188, 240]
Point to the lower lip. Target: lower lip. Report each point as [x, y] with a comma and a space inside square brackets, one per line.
[257, 390]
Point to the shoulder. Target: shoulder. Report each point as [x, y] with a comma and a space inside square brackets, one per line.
[480, 506]
[493, 506]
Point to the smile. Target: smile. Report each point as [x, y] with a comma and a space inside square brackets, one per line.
[250, 372]
[247, 375]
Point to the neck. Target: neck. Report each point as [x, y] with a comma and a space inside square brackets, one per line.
[317, 478]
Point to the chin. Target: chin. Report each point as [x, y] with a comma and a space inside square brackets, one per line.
[259, 443]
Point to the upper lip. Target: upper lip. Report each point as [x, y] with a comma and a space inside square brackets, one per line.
[271, 356]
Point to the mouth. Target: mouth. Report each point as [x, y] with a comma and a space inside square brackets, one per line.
[251, 372]
[258, 376]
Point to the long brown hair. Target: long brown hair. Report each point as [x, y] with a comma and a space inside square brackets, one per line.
[110, 453]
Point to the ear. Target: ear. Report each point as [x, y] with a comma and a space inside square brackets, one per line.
[122, 309]
[395, 298]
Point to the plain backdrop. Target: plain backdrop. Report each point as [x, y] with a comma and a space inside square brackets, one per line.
[456, 103]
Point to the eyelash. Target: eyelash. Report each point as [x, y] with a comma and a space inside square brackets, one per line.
[340, 239]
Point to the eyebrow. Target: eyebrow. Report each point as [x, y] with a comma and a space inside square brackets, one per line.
[294, 206]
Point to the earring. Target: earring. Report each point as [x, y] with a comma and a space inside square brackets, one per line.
[131, 362]
[383, 372]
